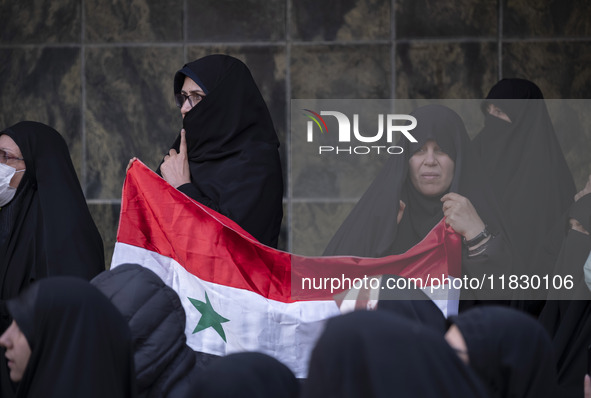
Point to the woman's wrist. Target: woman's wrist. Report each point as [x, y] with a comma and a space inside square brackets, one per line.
[478, 239]
[484, 239]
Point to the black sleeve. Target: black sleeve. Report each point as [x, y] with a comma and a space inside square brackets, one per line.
[5, 318]
[488, 267]
[194, 193]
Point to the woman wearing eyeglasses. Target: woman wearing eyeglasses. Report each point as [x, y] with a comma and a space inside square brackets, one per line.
[226, 156]
[45, 226]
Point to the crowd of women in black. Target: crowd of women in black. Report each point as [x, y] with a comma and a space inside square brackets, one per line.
[508, 192]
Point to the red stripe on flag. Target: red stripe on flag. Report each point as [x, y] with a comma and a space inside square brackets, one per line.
[159, 218]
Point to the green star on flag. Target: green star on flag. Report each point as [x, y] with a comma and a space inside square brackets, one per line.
[209, 318]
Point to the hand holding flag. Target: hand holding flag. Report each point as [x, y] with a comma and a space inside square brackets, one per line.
[238, 294]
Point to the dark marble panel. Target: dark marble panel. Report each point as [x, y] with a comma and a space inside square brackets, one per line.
[130, 111]
[332, 176]
[530, 18]
[346, 170]
[560, 69]
[314, 224]
[340, 20]
[229, 20]
[129, 21]
[460, 18]
[267, 65]
[445, 70]
[106, 218]
[572, 124]
[350, 71]
[31, 21]
[43, 85]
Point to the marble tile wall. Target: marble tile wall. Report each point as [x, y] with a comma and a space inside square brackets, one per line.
[101, 71]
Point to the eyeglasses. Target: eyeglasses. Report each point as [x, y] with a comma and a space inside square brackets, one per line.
[193, 98]
[5, 157]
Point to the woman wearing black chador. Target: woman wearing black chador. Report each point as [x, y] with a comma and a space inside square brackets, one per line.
[226, 156]
[45, 226]
[521, 156]
[436, 177]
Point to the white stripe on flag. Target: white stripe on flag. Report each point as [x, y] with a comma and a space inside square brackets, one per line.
[286, 331]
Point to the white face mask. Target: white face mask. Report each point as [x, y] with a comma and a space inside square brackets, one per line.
[6, 191]
[587, 270]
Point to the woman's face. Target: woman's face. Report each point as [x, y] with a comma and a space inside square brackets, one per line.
[12, 150]
[192, 90]
[431, 170]
[18, 351]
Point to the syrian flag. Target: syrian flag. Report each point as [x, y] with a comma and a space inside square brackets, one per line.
[240, 295]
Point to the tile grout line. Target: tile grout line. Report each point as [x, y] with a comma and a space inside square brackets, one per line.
[500, 41]
[430, 40]
[288, 160]
[393, 49]
[104, 201]
[185, 30]
[83, 99]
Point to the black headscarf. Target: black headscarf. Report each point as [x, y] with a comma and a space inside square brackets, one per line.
[245, 374]
[415, 306]
[569, 321]
[232, 147]
[371, 229]
[378, 354]
[46, 229]
[80, 344]
[526, 166]
[574, 251]
[510, 351]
